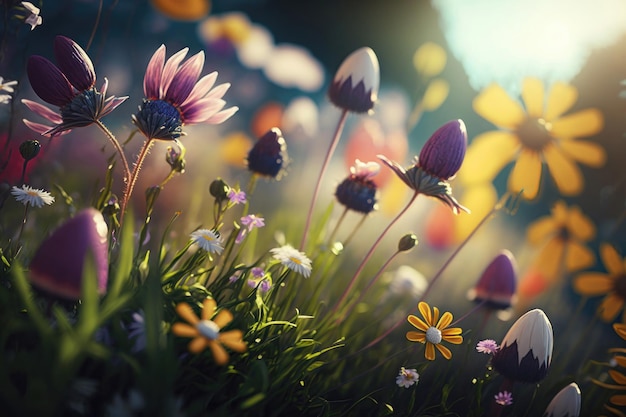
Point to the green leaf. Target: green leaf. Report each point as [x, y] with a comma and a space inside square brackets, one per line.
[124, 262]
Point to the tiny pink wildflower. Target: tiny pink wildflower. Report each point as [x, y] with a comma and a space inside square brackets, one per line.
[504, 398]
[487, 346]
[407, 377]
[237, 196]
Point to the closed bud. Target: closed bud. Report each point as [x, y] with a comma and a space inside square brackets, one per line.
[219, 190]
[30, 149]
[443, 153]
[407, 242]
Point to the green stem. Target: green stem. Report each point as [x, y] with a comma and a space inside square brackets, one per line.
[130, 185]
[118, 149]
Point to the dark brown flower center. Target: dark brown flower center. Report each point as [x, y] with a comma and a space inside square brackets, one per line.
[534, 133]
[619, 286]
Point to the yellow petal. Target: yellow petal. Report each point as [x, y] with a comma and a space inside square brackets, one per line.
[435, 94]
[416, 337]
[418, 323]
[620, 360]
[487, 155]
[578, 257]
[579, 225]
[580, 124]
[208, 308]
[184, 330]
[617, 376]
[444, 351]
[452, 331]
[560, 212]
[540, 230]
[424, 309]
[495, 105]
[445, 320]
[435, 318]
[480, 199]
[532, 94]
[587, 153]
[456, 340]
[198, 344]
[610, 306]
[429, 59]
[620, 329]
[526, 175]
[223, 318]
[182, 9]
[219, 353]
[611, 259]
[618, 400]
[550, 260]
[233, 340]
[593, 283]
[561, 98]
[185, 311]
[430, 351]
[565, 173]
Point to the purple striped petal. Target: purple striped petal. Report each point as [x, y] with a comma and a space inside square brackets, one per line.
[152, 79]
[75, 63]
[222, 116]
[43, 111]
[185, 79]
[219, 91]
[170, 69]
[203, 86]
[201, 110]
[48, 81]
[38, 127]
[111, 104]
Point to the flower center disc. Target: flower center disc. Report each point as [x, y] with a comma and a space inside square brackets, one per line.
[433, 335]
[208, 329]
[534, 133]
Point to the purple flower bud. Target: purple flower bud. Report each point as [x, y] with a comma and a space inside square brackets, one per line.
[356, 83]
[525, 353]
[443, 153]
[496, 286]
[75, 63]
[57, 266]
[269, 154]
[48, 81]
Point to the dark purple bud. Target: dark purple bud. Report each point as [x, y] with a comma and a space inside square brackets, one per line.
[75, 63]
[357, 193]
[443, 153]
[48, 81]
[57, 266]
[30, 149]
[497, 284]
[269, 154]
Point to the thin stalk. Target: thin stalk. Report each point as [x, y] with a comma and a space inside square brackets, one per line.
[329, 154]
[369, 254]
[336, 228]
[118, 149]
[130, 185]
[357, 227]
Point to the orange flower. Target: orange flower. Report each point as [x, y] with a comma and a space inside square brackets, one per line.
[433, 331]
[611, 284]
[206, 332]
[564, 235]
[531, 135]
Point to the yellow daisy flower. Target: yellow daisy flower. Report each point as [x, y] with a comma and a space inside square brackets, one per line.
[564, 235]
[206, 331]
[530, 135]
[612, 284]
[434, 330]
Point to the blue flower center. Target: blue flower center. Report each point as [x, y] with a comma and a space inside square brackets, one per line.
[158, 119]
[208, 329]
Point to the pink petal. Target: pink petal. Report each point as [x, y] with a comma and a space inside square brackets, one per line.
[201, 110]
[43, 111]
[152, 79]
[185, 79]
[170, 69]
[202, 87]
[111, 104]
[38, 127]
[219, 91]
[222, 116]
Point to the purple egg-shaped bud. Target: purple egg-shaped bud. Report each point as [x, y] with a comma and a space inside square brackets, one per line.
[443, 153]
[268, 156]
[525, 353]
[497, 284]
[57, 266]
[356, 82]
[75, 63]
[48, 81]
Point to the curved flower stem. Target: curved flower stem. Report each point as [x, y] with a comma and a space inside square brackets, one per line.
[336, 228]
[367, 288]
[130, 185]
[370, 252]
[329, 154]
[118, 149]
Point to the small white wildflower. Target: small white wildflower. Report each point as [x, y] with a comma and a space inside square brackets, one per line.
[407, 377]
[208, 240]
[33, 19]
[7, 85]
[32, 196]
[293, 259]
[5, 98]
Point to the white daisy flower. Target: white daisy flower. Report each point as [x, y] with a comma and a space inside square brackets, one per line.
[7, 85]
[208, 240]
[293, 259]
[32, 196]
[5, 98]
